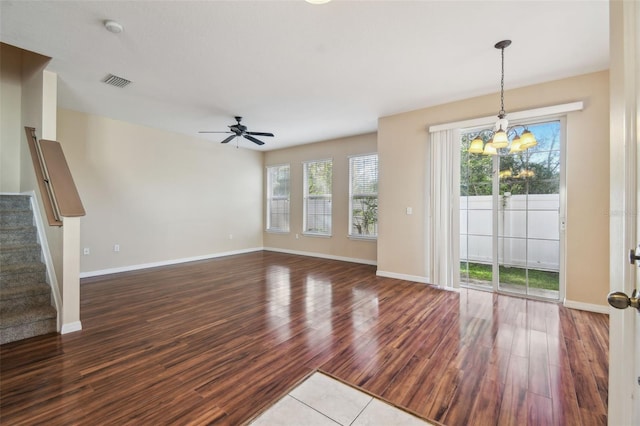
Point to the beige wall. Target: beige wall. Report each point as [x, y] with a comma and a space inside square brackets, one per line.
[161, 196]
[403, 155]
[338, 245]
[10, 107]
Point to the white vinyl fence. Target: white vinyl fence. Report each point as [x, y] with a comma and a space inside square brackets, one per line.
[528, 230]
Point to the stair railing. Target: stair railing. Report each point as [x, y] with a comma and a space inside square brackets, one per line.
[59, 193]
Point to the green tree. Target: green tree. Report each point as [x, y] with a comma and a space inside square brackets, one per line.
[535, 171]
[365, 214]
[475, 170]
[319, 175]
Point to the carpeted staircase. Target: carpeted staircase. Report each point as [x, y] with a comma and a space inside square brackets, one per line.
[25, 297]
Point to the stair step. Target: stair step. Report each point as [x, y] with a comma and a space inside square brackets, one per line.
[7, 293]
[38, 313]
[28, 323]
[13, 218]
[26, 296]
[18, 235]
[22, 273]
[15, 202]
[19, 253]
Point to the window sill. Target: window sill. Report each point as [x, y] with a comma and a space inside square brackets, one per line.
[313, 234]
[274, 231]
[363, 238]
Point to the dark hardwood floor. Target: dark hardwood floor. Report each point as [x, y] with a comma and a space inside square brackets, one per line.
[219, 341]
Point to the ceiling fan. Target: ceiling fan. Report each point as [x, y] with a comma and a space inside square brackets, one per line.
[238, 130]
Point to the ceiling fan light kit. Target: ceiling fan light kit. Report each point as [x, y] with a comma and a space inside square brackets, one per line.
[238, 129]
[499, 138]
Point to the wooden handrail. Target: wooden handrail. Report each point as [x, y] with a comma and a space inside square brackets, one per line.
[59, 193]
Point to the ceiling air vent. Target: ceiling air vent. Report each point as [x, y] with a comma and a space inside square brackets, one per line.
[114, 80]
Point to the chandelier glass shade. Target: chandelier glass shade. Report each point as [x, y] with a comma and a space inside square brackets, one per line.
[504, 140]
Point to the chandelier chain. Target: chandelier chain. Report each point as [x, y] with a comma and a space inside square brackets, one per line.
[505, 139]
[502, 113]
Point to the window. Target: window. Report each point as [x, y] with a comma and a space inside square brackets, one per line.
[317, 197]
[363, 196]
[278, 198]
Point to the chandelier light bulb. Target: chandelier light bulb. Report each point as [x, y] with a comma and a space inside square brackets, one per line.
[516, 145]
[489, 149]
[528, 140]
[476, 146]
[500, 139]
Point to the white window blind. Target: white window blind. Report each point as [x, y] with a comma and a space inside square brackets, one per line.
[363, 196]
[278, 184]
[317, 197]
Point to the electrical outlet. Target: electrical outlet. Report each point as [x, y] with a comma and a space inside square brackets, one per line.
[86, 251]
[231, 236]
[116, 247]
[409, 210]
[297, 236]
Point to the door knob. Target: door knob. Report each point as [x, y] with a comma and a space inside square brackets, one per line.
[633, 256]
[620, 300]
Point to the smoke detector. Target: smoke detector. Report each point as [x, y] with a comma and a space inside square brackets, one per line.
[113, 26]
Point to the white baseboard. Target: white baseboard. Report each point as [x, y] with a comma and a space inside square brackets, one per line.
[71, 327]
[322, 255]
[405, 277]
[164, 263]
[453, 289]
[590, 307]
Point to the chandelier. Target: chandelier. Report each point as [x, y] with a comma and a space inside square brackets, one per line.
[503, 140]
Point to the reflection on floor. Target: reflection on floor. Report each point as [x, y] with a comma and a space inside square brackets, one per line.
[511, 289]
[321, 400]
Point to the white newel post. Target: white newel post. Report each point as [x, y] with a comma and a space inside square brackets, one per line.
[71, 275]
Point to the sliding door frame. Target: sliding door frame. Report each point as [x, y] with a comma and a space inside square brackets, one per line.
[495, 237]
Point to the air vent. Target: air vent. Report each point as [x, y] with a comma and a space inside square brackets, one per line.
[114, 80]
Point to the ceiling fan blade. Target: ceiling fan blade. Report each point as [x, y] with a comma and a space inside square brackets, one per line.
[207, 131]
[227, 140]
[254, 140]
[260, 134]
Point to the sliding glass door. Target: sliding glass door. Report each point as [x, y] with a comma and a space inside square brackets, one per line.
[511, 217]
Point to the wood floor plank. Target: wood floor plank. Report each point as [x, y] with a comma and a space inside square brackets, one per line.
[539, 409]
[564, 400]
[218, 341]
[513, 408]
[437, 403]
[584, 379]
[486, 409]
[539, 364]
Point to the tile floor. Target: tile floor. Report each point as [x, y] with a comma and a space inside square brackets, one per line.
[321, 400]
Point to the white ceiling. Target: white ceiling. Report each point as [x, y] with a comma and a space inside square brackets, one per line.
[304, 72]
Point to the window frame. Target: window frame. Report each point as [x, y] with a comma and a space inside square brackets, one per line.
[271, 198]
[351, 233]
[306, 197]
